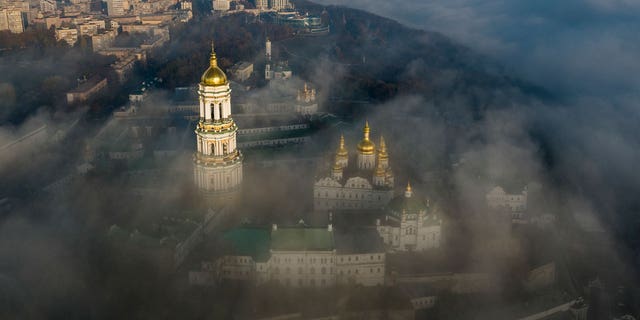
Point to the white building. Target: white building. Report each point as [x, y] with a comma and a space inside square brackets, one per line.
[218, 162]
[306, 100]
[221, 5]
[280, 4]
[302, 256]
[516, 203]
[362, 182]
[242, 71]
[411, 225]
[117, 7]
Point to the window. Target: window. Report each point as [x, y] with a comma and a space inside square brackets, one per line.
[323, 270]
[312, 270]
[300, 270]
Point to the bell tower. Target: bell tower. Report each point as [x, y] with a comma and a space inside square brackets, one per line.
[217, 161]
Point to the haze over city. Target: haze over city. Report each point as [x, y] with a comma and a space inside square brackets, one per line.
[285, 159]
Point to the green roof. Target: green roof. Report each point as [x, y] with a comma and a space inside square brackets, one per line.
[250, 241]
[302, 238]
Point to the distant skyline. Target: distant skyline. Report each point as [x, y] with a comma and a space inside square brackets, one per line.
[574, 47]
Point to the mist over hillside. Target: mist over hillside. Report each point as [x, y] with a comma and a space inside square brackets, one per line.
[466, 104]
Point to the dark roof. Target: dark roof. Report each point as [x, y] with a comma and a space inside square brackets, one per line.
[358, 240]
[302, 238]
[418, 290]
[249, 241]
[358, 217]
[411, 204]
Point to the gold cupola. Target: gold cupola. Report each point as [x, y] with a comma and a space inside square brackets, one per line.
[408, 192]
[382, 150]
[366, 146]
[342, 150]
[213, 76]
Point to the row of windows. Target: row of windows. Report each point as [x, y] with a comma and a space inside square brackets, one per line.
[342, 195]
[288, 260]
[357, 258]
[312, 270]
[301, 282]
[357, 271]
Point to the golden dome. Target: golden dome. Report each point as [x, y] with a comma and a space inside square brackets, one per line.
[366, 146]
[213, 76]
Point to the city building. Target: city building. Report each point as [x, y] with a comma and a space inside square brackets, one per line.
[262, 4]
[12, 19]
[221, 5]
[516, 203]
[103, 40]
[302, 256]
[242, 71]
[68, 35]
[218, 162]
[280, 4]
[364, 181]
[86, 89]
[412, 224]
[117, 7]
[48, 6]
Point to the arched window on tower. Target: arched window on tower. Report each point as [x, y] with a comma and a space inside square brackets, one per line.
[220, 105]
[211, 110]
[213, 149]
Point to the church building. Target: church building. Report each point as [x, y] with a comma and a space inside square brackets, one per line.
[411, 224]
[217, 161]
[361, 181]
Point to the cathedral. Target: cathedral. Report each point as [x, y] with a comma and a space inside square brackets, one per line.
[411, 224]
[361, 181]
[217, 161]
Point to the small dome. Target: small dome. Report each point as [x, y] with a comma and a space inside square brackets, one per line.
[366, 146]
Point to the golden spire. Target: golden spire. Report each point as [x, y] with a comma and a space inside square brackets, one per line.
[366, 146]
[382, 151]
[213, 60]
[342, 150]
[366, 130]
[408, 192]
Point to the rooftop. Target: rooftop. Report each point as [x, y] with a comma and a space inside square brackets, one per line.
[301, 238]
[358, 240]
[250, 241]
